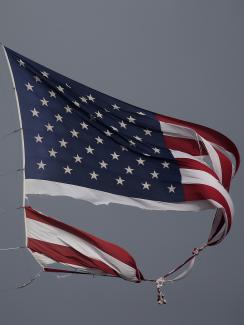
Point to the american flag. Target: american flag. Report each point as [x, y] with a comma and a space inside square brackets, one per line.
[52, 241]
[81, 143]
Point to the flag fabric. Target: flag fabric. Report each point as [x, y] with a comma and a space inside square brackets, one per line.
[81, 143]
[52, 241]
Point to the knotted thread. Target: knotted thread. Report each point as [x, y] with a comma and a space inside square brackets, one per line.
[163, 279]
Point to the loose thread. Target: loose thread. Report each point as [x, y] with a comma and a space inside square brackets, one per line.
[10, 133]
[164, 279]
[24, 285]
[4, 211]
[62, 276]
[12, 248]
[15, 171]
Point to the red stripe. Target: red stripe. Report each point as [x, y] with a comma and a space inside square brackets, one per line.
[193, 164]
[194, 192]
[110, 248]
[226, 167]
[209, 134]
[189, 146]
[68, 255]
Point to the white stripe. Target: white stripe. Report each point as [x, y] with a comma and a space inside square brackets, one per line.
[214, 158]
[180, 154]
[181, 131]
[178, 131]
[43, 259]
[185, 132]
[188, 133]
[46, 261]
[193, 176]
[43, 187]
[50, 234]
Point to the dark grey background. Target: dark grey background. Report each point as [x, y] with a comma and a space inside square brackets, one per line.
[180, 58]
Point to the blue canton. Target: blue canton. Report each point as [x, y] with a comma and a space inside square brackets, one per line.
[76, 135]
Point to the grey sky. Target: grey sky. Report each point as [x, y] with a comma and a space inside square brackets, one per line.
[179, 58]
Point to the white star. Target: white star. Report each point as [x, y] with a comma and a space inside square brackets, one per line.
[91, 98]
[59, 118]
[140, 161]
[154, 174]
[123, 148]
[77, 158]
[122, 124]
[141, 113]
[148, 132]
[131, 119]
[99, 114]
[90, 150]
[165, 164]
[103, 164]
[84, 125]
[76, 103]
[114, 128]
[68, 109]
[29, 87]
[156, 150]
[137, 138]
[94, 175]
[60, 88]
[63, 143]
[132, 143]
[171, 188]
[146, 186]
[21, 63]
[52, 93]
[115, 107]
[115, 156]
[129, 170]
[34, 112]
[83, 99]
[74, 133]
[37, 79]
[120, 181]
[52, 153]
[49, 127]
[108, 133]
[45, 74]
[44, 101]
[41, 165]
[38, 138]
[67, 170]
[99, 140]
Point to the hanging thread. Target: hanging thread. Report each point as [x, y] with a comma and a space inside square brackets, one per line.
[163, 279]
[9, 133]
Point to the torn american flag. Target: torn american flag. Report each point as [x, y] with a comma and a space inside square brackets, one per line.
[81, 143]
[52, 241]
